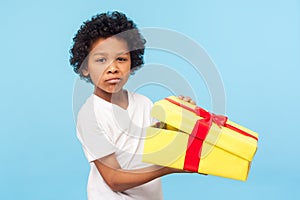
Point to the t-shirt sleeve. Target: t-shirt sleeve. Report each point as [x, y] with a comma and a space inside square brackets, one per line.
[95, 142]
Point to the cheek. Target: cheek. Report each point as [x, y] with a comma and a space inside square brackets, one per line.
[96, 75]
[126, 71]
[127, 68]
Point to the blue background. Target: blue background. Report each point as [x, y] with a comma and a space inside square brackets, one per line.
[255, 46]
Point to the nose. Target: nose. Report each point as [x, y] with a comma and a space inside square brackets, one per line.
[113, 68]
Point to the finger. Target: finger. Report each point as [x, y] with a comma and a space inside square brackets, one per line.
[160, 125]
[188, 99]
[192, 102]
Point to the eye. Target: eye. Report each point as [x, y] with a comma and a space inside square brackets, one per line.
[122, 59]
[101, 60]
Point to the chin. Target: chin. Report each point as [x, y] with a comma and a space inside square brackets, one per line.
[114, 90]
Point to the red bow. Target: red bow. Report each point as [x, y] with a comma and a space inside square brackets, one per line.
[208, 117]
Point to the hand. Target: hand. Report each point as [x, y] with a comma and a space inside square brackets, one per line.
[187, 99]
[174, 170]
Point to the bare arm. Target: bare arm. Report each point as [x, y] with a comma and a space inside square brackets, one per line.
[120, 180]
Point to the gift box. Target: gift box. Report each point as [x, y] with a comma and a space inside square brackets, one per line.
[192, 139]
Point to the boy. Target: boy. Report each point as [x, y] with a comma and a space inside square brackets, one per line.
[111, 124]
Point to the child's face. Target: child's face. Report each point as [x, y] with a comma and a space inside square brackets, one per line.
[109, 65]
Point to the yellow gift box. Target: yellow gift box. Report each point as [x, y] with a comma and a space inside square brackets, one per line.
[196, 140]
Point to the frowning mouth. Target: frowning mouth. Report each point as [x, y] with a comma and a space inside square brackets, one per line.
[113, 80]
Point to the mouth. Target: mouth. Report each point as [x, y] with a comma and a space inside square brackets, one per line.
[113, 80]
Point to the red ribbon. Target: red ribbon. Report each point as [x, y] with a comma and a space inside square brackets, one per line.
[199, 133]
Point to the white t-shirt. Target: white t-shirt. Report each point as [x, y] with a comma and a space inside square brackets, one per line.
[104, 128]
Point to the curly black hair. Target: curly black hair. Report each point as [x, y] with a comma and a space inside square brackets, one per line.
[104, 26]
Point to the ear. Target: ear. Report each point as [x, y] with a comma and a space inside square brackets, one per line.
[132, 70]
[85, 72]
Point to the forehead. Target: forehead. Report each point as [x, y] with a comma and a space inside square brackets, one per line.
[111, 45]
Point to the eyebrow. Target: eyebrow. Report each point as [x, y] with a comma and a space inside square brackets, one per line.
[105, 54]
[100, 53]
[123, 52]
